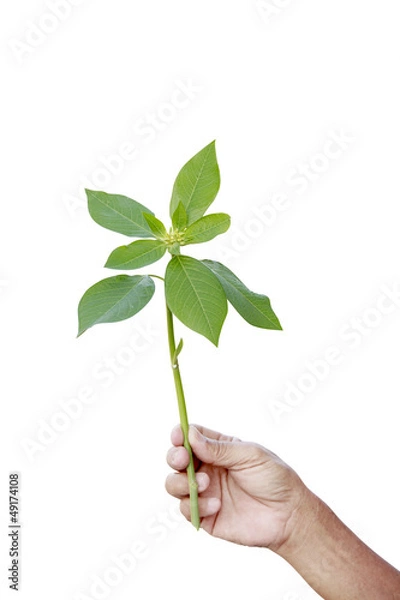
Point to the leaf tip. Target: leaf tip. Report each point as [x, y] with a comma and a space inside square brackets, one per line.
[217, 338]
[278, 326]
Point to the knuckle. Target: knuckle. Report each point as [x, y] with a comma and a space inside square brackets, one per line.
[256, 453]
[218, 450]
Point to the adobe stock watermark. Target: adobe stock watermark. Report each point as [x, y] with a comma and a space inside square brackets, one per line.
[267, 10]
[351, 336]
[146, 129]
[308, 172]
[103, 374]
[37, 32]
[300, 178]
[123, 565]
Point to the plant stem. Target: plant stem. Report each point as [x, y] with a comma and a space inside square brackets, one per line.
[157, 277]
[194, 506]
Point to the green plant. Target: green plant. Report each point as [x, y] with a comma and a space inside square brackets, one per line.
[197, 292]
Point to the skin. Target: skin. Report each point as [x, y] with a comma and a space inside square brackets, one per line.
[249, 496]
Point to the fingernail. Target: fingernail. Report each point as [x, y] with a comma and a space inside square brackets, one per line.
[214, 504]
[174, 456]
[202, 481]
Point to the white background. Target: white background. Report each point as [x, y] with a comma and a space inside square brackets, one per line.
[270, 87]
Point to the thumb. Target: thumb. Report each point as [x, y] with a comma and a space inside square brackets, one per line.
[226, 454]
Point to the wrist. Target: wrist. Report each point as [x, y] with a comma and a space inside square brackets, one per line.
[306, 512]
[331, 558]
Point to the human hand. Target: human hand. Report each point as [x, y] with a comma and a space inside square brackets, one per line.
[247, 494]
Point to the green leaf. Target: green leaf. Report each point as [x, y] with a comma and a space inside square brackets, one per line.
[118, 213]
[195, 296]
[156, 226]
[197, 184]
[207, 228]
[254, 308]
[179, 218]
[114, 299]
[136, 255]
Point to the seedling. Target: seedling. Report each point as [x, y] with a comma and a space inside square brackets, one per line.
[197, 292]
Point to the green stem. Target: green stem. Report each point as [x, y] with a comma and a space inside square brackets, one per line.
[157, 277]
[194, 506]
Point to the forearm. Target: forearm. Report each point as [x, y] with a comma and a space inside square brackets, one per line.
[334, 561]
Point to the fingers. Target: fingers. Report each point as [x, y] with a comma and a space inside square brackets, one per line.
[178, 458]
[208, 446]
[215, 435]
[177, 484]
[177, 435]
[228, 453]
[207, 507]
